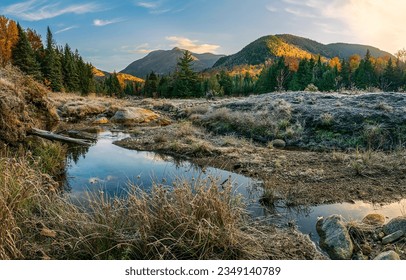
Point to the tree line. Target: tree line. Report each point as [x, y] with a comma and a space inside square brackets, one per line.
[283, 74]
[59, 68]
[355, 73]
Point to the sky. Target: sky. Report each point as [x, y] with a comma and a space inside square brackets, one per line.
[112, 34]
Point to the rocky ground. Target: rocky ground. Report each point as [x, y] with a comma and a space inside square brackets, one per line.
[307, 148]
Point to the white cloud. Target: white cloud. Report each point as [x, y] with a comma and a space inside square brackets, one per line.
[191, 45]
[155, 8]
[271, 8]
[300, 13]
[373, 22]
[66, 29]
[148, 5]
[142, 49]
[102, 22]
[35, 10]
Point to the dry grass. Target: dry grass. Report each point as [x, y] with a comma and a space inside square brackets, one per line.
[22, 186]
[262, 123]
[23, 105]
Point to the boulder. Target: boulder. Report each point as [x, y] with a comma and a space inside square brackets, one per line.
[132, 115]
[374, 219]
[334, 237]
[392, 237]
[389, 255]
[278, 144]
[395, 224]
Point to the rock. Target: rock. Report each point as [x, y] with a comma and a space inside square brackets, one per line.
[395, 224]
[278, 144]
[389, 255]
[360, 257]
[374, 219]
[334, 237]
[131, 115]
[101, 120]
[392, 237]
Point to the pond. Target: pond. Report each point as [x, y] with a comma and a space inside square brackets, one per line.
[111, 169]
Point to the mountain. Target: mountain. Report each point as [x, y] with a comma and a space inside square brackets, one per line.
[164, 62]
[269, 47]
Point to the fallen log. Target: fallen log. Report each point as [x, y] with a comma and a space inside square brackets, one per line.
[57, 137]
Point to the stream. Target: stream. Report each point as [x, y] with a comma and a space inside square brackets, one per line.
[112, 169]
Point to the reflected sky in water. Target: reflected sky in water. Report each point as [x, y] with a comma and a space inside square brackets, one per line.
[112, 169]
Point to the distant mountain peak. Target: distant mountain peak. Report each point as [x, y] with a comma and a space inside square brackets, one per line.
[164, 62]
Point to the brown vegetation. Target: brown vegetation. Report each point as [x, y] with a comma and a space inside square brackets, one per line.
[23, 105]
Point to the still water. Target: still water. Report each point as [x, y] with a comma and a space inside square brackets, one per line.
[112, 169]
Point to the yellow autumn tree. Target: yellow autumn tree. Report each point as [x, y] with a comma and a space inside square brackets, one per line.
[335, 62]
[8, 38]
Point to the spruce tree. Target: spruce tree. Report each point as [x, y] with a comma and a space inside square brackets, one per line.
[186, 82]
[70, 70]
[52, 64]
[23, 56]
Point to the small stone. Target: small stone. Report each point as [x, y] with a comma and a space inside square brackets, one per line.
[102, 120]
[278, 144]
[389, 255]
[392, 237]
[374, 219]
[381, 234]
[395, 224]
[360, 257]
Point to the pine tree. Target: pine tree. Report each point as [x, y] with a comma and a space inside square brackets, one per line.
[186, 82]
[52, 64]
[226, 83]
[365, 75]
[69, 70]
[23, 55]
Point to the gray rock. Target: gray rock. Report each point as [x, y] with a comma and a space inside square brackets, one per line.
[133, 115]
[392, 237]
[389, 255]
[278, 144]
[334, 237]
[395, 224]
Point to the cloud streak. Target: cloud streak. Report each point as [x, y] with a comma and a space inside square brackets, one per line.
[191, 45]
[36, 10]
[102, 22]
[66, 29]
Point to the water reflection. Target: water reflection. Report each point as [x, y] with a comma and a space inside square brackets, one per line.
[112, 169]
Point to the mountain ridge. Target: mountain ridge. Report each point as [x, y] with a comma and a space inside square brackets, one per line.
[272, 46]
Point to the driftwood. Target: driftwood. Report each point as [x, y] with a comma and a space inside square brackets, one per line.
[57, 137]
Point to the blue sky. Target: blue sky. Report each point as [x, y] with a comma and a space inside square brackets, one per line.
[112, 34]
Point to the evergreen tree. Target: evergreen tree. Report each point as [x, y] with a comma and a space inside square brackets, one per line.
[23, 56]
[365, 75]
[151, 85]
[70, 70]
[226, 83]
[186, 81]
[52, 64]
